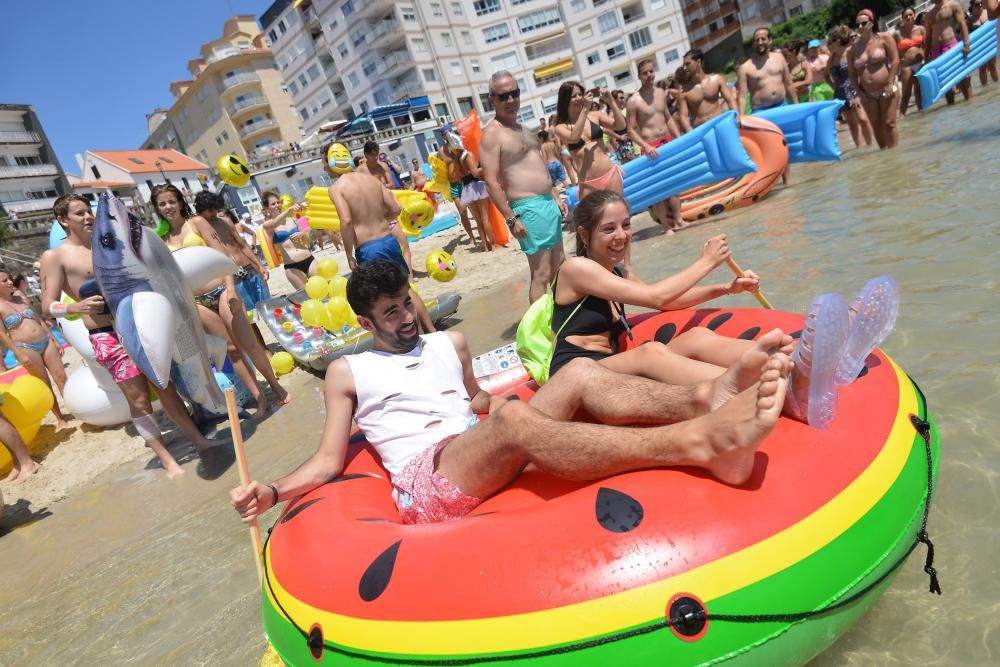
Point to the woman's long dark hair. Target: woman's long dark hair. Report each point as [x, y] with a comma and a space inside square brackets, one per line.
[588, 214]
[170, 187]
[562, 101]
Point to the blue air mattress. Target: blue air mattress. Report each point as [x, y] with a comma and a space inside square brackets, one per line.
[945, 72]
[810, 129]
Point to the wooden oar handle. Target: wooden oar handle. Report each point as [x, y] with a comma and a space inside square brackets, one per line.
[244, 470]
[761, 299]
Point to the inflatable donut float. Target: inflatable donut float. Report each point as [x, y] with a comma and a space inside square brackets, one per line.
[765, 144]
[658, 567]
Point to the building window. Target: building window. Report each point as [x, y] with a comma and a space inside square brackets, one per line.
[333, 24]
[369, 67]
[419, 44]
[526, 114]
[506, 61]
[293, 88]
[408, 14]
[348, 8]
[466, 37]
[436, 9]
[657, 4]
[464, 105]
[273, 35]
[353, 79]
[666, 27]
[671, 56]
[358, 37]
[225, 135]
[484, 7]
[607, 21]
[304, 113]
[484, 102]
[538, 20]
[616, 50]
[594, 58]
[456, 8]
[623, 78]
[446, 39]
[202, 94]
[218, 141]
[795, 11]
[456, 68]
[474, 64]
[585, 31]
[549, 105]
[496, 33]
[342, 50]
[639, 39]
[601, 83]
[313, 72]
[429, 74]
[440, 109]
[281, 27]
[303, 81]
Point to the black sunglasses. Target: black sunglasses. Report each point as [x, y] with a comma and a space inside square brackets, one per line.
[503, 97]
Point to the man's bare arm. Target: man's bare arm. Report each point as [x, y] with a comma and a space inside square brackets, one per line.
[480, 399]
[963, 27]
[489, 159]
[741, 89]
[727, 94]
[682, 111]
[786, 77]
[346, 224]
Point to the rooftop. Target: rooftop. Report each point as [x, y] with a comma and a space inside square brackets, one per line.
[144, 161]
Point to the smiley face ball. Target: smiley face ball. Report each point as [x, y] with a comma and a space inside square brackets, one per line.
[233, 170]
[441, 266]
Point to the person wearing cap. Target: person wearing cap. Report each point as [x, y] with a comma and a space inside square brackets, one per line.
[817, 58]
[872, 63]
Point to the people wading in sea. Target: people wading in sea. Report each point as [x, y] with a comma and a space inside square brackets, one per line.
[872, 64]
[910, 45]
[838, 75]
[704, 93]
[945, 22]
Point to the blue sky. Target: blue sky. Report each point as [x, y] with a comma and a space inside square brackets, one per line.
[93, 69]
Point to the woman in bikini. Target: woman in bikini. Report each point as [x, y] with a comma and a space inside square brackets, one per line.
[798, 69]
[300, 265]
[581, 130]
[839, 78]
[592, 289]
[217, 317]
[34, 344]
[872, 64]
[910, 46]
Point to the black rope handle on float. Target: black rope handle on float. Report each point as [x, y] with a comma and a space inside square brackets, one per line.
[686, 615]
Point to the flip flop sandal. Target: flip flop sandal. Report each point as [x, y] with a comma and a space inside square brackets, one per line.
[874, 309]
[817, 354]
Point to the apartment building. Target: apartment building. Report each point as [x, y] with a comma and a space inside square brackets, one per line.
[30, 175]
[710, 22]
[234, 102]
[344, 58]
[764, 13]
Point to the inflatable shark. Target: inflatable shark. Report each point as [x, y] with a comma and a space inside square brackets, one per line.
[151, 301]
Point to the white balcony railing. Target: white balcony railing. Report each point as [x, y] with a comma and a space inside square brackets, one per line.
[28, 171]
[400, 58]
[247, 103]
[29, 205]
[19, 137]
[382, 28]
[236, 80]
[247, 130]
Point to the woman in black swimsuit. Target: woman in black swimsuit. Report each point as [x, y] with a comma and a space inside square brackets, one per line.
[592, 289]
[838, 76]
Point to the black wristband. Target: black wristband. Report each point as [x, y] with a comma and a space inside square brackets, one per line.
[274, 494]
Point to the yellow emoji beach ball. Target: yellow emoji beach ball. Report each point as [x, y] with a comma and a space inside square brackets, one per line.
[441, 266]
[339, 159]
[233, 170]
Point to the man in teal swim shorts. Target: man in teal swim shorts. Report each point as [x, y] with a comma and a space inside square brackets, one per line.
[519, 184]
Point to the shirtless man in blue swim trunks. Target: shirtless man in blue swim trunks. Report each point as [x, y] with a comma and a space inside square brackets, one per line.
[766, 79]
[520, 186]
[368, 212]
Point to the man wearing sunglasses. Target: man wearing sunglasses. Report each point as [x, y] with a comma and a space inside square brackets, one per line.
[520, 186]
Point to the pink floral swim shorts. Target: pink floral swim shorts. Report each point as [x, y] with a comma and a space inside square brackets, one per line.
[112, 356]
[424, 495]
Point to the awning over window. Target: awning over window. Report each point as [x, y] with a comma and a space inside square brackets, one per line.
[554, 68]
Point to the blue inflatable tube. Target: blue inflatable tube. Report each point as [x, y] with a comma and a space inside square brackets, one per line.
[707, 154]
[945, 72]
[810, 129]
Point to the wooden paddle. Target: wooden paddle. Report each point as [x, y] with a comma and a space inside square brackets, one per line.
[761, 299]
[241, 461]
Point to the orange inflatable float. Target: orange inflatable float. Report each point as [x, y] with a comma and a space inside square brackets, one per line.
[653, 567]
[766, 146]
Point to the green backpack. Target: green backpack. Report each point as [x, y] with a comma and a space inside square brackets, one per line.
[536, 341]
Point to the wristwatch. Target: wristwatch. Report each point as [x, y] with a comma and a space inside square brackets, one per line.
[511, 220]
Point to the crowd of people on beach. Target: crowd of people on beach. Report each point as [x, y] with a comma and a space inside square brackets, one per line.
[715, 398]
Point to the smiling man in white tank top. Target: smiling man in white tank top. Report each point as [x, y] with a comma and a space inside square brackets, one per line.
[415, 398]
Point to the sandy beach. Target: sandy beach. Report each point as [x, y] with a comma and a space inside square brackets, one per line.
[73, 458]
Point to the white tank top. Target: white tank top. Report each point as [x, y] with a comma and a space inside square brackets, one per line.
[408, 402]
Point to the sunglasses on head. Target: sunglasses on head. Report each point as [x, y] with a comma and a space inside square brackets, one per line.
[515, 94]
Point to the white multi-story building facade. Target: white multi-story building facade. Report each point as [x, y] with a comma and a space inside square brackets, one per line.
[343, 58]
[30, 175]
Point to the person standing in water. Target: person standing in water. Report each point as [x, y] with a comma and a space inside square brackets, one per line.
[764, 77]
[838, 75]
[520, 186]
[872, 65]
[368, 213]
[910, 45]
[977, 17]
[704, 93]
[650, 125]
[945, 22]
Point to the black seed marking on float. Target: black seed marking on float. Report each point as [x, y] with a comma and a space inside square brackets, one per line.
[348, 478]
[718, 321]
[376, 577]
[687, 616]
[716, 209]
[796, 334]
[298, 510]
[750, 333]
[665, 333]
[315, 642]
[617, 511]
[864, 372]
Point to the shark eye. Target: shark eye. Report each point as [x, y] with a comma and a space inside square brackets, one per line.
[108, 241]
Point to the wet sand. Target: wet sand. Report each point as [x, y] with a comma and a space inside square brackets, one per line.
[133, 569]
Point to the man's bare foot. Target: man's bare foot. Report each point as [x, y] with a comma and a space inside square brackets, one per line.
[283, 395]
[173, 471]
[26, 471]
[263, 407]
[11, 476]
[746, 371]
[736, 430]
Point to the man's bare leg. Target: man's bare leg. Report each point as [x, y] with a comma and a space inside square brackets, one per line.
[174, 406]
[463, 217]
[662, 214]
[487, 457]
[423, 315]
[24, 465]
[136, 391]
[541, 271]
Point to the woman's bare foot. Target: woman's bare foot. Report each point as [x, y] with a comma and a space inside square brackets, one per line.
[26, 471]
[736, 430]
[747, 370]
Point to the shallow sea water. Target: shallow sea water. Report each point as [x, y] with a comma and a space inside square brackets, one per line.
[139, 571]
